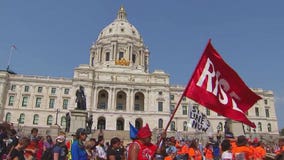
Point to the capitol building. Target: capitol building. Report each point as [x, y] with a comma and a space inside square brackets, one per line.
[119, 90]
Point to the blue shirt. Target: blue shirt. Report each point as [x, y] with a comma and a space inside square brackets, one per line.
[78, 152]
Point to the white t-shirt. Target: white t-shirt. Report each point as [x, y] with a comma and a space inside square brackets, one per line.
[227, 155]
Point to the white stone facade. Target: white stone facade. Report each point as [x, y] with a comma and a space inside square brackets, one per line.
[119, 90]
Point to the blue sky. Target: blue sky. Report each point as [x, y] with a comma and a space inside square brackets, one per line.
[53, 37]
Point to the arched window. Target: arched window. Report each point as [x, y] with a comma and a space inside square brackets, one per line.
[269, 127]
[138, 123]
[173, 126]
[49, 120]
[101, 123]
[259, 126]
[220, 126]
[120, 124]
[63, 121]
[160, 123]
[35, 120]
[8, 117]
[185, 127]
[22, 118]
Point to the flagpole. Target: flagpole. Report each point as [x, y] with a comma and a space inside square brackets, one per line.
[173, 114]
[10, 56]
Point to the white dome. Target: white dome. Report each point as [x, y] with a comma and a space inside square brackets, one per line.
[120, 27]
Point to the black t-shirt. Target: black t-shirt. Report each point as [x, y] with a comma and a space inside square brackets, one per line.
[17, 153]
[114, 152]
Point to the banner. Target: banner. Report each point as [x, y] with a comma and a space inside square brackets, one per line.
[215, 85]
[132, 131]
[198, 120]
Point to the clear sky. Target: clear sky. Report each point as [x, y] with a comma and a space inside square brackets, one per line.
[54, 36]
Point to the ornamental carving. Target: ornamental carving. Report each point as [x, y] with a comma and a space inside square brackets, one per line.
[122, 62]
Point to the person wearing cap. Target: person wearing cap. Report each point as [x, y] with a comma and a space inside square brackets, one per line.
[142, 148]
[78, 151]
[60, 150]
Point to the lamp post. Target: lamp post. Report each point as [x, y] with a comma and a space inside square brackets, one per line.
[56, 118]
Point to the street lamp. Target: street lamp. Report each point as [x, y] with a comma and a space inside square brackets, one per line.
[56, 118]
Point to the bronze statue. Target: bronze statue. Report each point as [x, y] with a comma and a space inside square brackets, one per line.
[89, 123]
[81, 99]
[68, 121]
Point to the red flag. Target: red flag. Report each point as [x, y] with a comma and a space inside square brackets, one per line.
[215, 85]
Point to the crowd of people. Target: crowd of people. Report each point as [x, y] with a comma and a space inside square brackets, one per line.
[82, 147]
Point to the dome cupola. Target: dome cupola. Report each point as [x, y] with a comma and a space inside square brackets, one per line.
[119, 45]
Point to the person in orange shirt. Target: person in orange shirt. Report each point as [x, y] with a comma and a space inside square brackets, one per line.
[208, 151]
[280, 152]
[259, 151]
[193, 152]
[242, 151]
[230, 136]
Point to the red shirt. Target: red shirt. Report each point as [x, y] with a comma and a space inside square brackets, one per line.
[146, 152]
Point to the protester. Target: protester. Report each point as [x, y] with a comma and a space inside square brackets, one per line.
[226, 150]
[142, 148]
[47, 148]
[242, 151]
[60, 150]
[18, 152]
[193, 151]
[113, 152]
[280, 153]
[100, 148]
[31, 149]
[78, 151]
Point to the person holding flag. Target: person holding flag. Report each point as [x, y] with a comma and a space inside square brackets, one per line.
[142, 148]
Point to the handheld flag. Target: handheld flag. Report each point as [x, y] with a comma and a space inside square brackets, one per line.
[215, 85]
[132, 131]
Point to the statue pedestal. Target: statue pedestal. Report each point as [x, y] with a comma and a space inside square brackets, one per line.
[235, 127]
[78, 120]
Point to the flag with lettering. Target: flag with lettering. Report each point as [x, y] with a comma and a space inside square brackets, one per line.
[215, 85]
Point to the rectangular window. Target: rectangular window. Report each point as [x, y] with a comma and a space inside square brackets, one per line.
[11, 101]
[39, 89]
[65, 103]
[265, 101]
[267, 112]
[27, 88]
[107, 56]
[120, 55]
[13, 87]
[184, 98]
[25, 101]
[38, 102]
[66, 91]
[53, 90]
[172, 108]
[257, 112]
[184, 110]
[172, 97]
[160, 106]
[51, 102]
